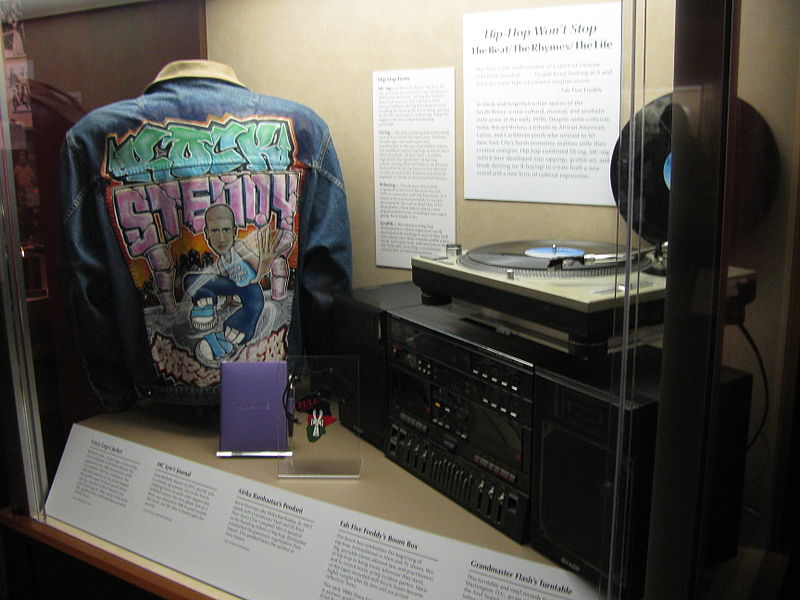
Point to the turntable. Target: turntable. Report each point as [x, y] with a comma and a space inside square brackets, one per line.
[568, 295]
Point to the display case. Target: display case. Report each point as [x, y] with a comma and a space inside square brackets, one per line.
[509, 427]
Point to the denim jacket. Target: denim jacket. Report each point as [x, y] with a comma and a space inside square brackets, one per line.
[202, 223]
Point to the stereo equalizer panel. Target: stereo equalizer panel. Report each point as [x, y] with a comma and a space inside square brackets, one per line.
[495, 500]
[460, 402]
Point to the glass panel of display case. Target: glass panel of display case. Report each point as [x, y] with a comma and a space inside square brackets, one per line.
[326, 399]
[607, 389]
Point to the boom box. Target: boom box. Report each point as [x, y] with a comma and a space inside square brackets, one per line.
[360, 330]
[573, 497]
[525, 436]
[460, 407]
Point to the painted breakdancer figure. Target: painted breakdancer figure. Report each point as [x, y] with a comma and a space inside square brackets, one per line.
[236, 274]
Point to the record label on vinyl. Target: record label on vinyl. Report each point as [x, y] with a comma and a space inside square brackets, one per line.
[554, 251]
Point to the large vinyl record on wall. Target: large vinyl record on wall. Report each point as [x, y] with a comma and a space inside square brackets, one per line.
[651, 153]
[755, 167]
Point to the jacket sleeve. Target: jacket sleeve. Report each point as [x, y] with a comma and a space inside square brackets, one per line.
[86, 282]
[328, 255]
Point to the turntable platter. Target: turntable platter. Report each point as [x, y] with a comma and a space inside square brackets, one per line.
[546, 258]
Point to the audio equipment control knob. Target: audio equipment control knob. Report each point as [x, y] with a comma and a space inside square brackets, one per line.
[453, 251]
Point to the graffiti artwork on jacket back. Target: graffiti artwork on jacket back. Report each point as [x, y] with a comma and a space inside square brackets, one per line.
[206, 216]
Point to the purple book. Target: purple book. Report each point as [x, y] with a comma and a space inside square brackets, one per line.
[252, 416]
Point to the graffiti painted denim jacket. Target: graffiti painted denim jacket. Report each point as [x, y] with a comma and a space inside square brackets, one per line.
[202, 223]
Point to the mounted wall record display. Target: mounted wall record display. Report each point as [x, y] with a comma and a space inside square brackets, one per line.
[644, 149]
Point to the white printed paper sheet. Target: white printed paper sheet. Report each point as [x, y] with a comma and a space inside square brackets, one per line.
[414, 163]
[258, 542]
[541, 103]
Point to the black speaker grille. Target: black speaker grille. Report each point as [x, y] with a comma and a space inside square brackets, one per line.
[574, 494]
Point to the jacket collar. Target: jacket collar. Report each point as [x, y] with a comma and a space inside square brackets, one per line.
[196, 68]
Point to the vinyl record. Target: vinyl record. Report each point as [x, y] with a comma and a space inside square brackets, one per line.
[651, 169]
[755, 167]
[756, 170]
[547, 258]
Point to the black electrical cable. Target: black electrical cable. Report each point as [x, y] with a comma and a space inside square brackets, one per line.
[764, 378]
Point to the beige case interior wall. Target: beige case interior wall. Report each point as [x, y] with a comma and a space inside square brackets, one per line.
[323, 52]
